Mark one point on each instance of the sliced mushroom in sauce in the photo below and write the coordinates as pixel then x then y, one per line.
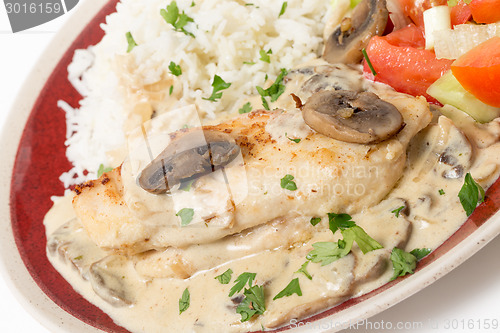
pixel 189 156
pixel 350 116
pixel 345 44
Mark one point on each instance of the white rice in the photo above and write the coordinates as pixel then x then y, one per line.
pixel 227 34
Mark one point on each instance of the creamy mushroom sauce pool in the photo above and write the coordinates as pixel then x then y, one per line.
pixel 141 291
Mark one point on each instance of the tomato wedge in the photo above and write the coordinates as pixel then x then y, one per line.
pixel 415 9
pixel 485 11
pixel 478 71
pixel 401 62
pixel 460 13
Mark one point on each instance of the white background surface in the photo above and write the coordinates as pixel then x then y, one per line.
pixel 469 295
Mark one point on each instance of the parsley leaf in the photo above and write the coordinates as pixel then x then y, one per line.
pixel 186 215
pixel 241 281
pixel 175 69
pixel 283 8
pixel 364 241
pixel 292 288
pixel 294 140
pixel 171 90
pixel 178 20
pixel 328 252
pixel 264 55
pixel 252 304
pixel 398 210
pixel 288 184
pixel 420 253
pixel 303 270
pixel 131 42
pixel 225 277
pixel 246 108
pixel 274 91
pixel 218 84
pixel 339 221
pixel 470 194
pixel 102 170
pixel 441 192
pixel 184 301
pixel 315 220
pixel 402 262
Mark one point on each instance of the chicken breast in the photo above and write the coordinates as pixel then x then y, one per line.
pixel 329 176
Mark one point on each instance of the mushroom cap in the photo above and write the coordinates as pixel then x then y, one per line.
pixel 345 45
pixel 350 116
pixel 188 156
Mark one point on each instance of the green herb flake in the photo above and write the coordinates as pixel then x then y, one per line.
pixel 420 253
pixel 248 63
pixel 78 258
pixel 292 288
pixel 441 192
pixel 340 221
pixel 102 170
pixel 264 55
pixel 470 194
pixel 193 4
pixel 368 62
pixel 402 262
pixel 365 242
pixel 178 20
pixel 303 270
pixel 225 277
pixel 283 8
pixel 293 140
pixel 397 211
pixel 175 69
pixel 131 42
pixel 241 281
pixel 246 108
pixel 184 301
pixel 171 90
pixel 218 85
pixel 453 3
pixel 288 184
pixel 328 252
pixel 186 215
pixel 315 220
pixel 252 304
pixel 274 91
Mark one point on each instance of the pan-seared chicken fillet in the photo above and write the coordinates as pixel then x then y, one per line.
pixel 254 189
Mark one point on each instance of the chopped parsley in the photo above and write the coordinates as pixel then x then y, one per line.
pixel 252 304
pixel 315 220
pixel 175 69
pixel 274 91
pixel 178 20
pixel 186 215
pixel 292 288
pixel 171 90
pixel 218 84
pixel 246 108
pixel 420 253
pixel 288 184
pixel 369 62
pixel 303 270
pixel 193 4
pixel 248 63
pixel 398 210
pixel 102 170
pixel 470 194
pixel 283 8
pixel 184 301
pixel 328 252
pixel 402 262
pixel 241 281
pixel 264 55
pixel 294 140
pixel 441 192
pixel 225 277
pixel 78 258
pixel 131 42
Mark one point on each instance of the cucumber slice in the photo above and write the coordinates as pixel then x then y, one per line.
pixel 448 90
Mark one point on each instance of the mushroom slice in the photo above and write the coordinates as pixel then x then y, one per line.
pixel 352 117
pixel 368 19
pixel 188 157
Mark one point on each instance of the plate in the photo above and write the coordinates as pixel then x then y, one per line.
pixel 35 159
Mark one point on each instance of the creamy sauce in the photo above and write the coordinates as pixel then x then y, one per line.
pixel 141 291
